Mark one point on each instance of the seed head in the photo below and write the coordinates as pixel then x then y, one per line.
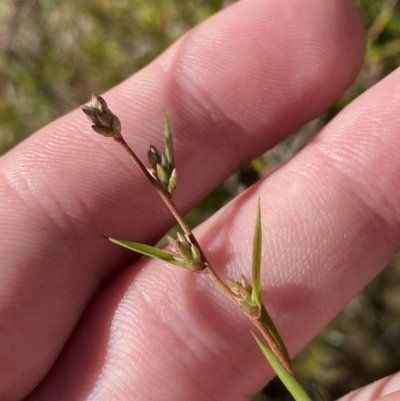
pixel 242 291
pixel 104 121
pixel 185 252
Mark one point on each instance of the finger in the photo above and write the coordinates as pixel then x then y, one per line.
pixel 386 389
pixel 331 220
pixel 64 187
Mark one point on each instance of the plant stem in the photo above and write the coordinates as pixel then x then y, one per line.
pixel 165 197
pixel 255 319
pixel 206 266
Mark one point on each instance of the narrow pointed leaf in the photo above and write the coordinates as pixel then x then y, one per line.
pixel 292 385
pixel 148 250
pixel 169 146
pixel 270 325
pixel 257 248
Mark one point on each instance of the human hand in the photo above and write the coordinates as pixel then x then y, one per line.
pixel 88 321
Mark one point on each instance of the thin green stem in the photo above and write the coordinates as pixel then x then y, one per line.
pixel 165 197
pixel 206 266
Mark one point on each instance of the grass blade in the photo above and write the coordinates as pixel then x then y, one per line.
pixel 270 325
pixel 256 262
pixel 292 385
pixel 148 250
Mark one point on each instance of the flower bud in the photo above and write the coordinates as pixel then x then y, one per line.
pixel 162 175
pixel 116 125
pixel 104 121
pixel 242 291
pixel 185 252
pixel 196 256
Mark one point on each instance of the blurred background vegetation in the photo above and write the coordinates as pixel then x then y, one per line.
pixel 52 55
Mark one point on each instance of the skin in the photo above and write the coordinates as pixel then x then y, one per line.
pixel 82 319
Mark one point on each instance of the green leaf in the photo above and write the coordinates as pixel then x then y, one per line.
pixel 257 248
pixel 292 385
pixel 256 292
pixel 270 325
pixel 169 146
pixel 148 250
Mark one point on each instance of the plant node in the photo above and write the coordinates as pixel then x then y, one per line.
pixel 185 252
pixel 242 292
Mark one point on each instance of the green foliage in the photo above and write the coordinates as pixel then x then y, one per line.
pixel 144 249
pixel 295 389
pixel 184 253
pixel 256 290
pixel 270 325
pixel 150 251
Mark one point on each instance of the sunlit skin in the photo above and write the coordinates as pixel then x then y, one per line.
pixel 83 319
